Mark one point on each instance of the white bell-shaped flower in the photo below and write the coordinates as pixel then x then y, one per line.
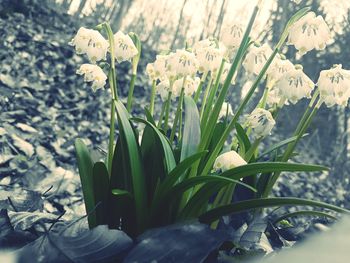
pixel 227 161
pixel 273 96
pixel 93 73
pixel 162 67
pixel 124 47
pixel 183 63
pixel 334 86
pixel 151 71
pixel 205 43
pixel 277 69
pixel 232 35
pixel 209 59
pixel 261 122
pixel 163 89
pixel 309 33
pixel 190 86
pixel 257 58
pixel 295 85
pixel 226 110
pixel 91 43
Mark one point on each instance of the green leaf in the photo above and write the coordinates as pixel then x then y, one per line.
pixel 279 145
pixel 242 138
pixel 121 192
pixel 304 213
pixel 168 153
pixel 132 160
pixel 149 117
pixel 193 181
pixel 218 212
pixel 85 165
pixel 176 173
pixel 101 192
pixel 191 130
pixel 266 167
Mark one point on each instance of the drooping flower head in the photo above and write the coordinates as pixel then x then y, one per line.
pixel 277 69
pixel 151 71
pixel 93 73
pixel 163 89
pixel 226 110
pixel 205 43
pixel 183 63
pixel 227 161
pixel 125 48
pixel 209 59
pixel 162 67
pixel 295 85
pixel 309 33
pixel 334 86
pixel 232 35
pixel 261 122
pixel 257 58
pixel 190 86
pixel 91 43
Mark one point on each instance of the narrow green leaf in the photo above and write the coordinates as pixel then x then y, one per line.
pixel 191 130
pixel 121 192
pixel 101 192
pixel 85 165
pixel 279 145
pixel 217 213
pixel 168 153
pixel 149 117
pixel 304 213
pixel 132 160
pixel 242 137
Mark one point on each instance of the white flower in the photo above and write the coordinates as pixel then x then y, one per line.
pixel 228 160
pixel 297 1
pixel 124 47
pixel 162 67
pixel 277 69
pixel 295 85
pixel 163 89
pixel 151 71
pixel 190 86
pixel 203 44
pixel 209 58
pixel 225 109
pixel 257 58
pixel 309 33
pixel 273 96
pixel 90 42
pixel 232 35
pixel 93 73
pixel 183 63
pixel 334 86
pixel 261 122
pixel 225 70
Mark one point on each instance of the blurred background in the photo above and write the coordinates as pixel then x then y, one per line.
pixel 45 104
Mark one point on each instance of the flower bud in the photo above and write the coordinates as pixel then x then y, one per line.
pixel 227 161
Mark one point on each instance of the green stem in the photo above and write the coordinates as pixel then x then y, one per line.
pixel 153 95
pixel 213 92
pixel 161 115
pixel 131 92
pixel 204 101
pixel 200 87
pixel 178 112
pixel 112 79
pixel 167 110
pixel 300 131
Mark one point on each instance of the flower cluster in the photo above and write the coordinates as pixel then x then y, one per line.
pixel 95 46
